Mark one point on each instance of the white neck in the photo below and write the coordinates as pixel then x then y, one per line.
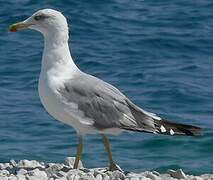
pixel 56 55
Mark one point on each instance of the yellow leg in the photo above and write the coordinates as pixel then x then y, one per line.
pixel 112 165
pixel 79 152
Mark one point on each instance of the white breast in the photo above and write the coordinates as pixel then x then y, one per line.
pixel 56 107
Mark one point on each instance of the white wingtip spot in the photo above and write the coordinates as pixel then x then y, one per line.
pixel 172 132
pixel 163 129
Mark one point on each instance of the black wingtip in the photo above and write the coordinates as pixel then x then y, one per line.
pixel 180 129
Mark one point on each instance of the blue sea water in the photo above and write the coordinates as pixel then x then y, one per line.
pixel 159 53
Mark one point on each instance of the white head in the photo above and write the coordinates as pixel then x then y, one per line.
pixel 49 22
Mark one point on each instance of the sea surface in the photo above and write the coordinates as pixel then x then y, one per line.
pixel 157 52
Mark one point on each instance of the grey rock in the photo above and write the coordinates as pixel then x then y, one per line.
pixel 105 177
pixel 75 172
pixel 50 164
pixel 61 174
pixel 53 169
pixel 29 164
pixel 2 166
pixel 153 176
pixel 76 177
pixel 178 174
pixel 70 176
pixel 66 168
pixel 207 176
pixel 13 163
pixel 5 166
pixel 134 176
pixel 85 170
pixel 167 177
pixel 21 177
pixel 36 173
pixel 98 177
pixel 34 170
pixel 117 175
pixel 88 176
pixel 69 161
pixel 194 178
pixel 12 177
pixel 4 173
pixel 156 173
pixel 3 178
pixel 62 178
pixel 73 177
pixel 21 171
pixel 99 171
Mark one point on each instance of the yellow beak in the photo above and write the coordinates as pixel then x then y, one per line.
pixel 19 26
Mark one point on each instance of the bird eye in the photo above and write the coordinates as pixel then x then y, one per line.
pixel 39 17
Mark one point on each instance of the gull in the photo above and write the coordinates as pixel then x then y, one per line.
pixel 88 104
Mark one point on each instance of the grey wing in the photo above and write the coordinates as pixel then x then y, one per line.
pixel 105 105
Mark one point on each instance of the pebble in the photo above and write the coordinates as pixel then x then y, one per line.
pixel 98 177
pixel 152 176
pixel 4 173
pixel 21 177
pixel 69 161
pixel 5 165
pixel 21 171
pixel 73 177
pixel 13 163
pixel 29 164
pixel 36 173
pixel 117 175
pixel 4 178
pixel 178 174
pixel 53 169
pixel 34 170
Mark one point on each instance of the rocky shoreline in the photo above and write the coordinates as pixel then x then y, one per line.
pixel 34 170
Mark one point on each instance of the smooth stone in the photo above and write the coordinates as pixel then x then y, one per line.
pixel 88 176
pixel 12 177
pixel 75 172
pixel 36 173
pixel 151 176
pixel 29 164
pixel 61 174
pixel 207 176
pixel 196 178
pixel 70 176
pixel 73 177
pixel 179 174
pixel 106 177
pixel 69 161
pixel 21 172
pixel 5 166
pixel 62 178
pixel 156 173
pixel 66 168
pixel 49 164
pixel 13 163
pixel 4 178
pixel 53 170
pixel 21 177
pixel 117 174
pixel 4 172
pixel 99 177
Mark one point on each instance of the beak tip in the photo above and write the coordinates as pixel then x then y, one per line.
pixel 12 28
